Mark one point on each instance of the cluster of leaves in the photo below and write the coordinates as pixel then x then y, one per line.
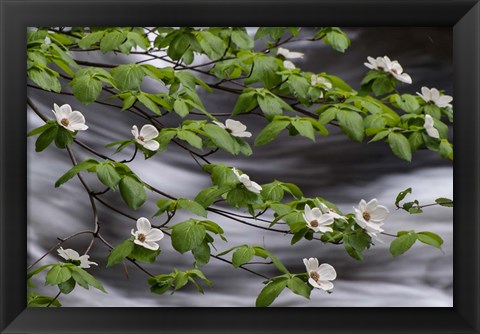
pixel 177 280
pixel 51 132
pixel 414 207
pixel 65 275
pixel 112 174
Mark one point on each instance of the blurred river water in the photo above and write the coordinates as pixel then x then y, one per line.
pixel 333 167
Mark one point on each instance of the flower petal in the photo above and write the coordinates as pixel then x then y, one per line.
pixel 288 65
pixel 220 124
pixel 324 229
pixel 428 121
pixel 444 101
pixel 325 219
pixel 362 205
pixel 66 110
pixel 327 272
pixel 143 225
pixel 432 132
pixel 244 134
pixel 294 55
pixel 325 285
pixel 135 131
pixel 435 94
pixel 313 283
pixel 150 245
pixel 148 132
pixel 154 235
pixel 283 52
pixel 379 214
pixel 254 187
pixel 371 206
pixel 426 94
pixel 151 145
pixel 235 126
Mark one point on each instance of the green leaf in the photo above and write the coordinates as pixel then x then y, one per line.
pixel 47 80
pixel 149 103
pixel 270 106
pixel 67 286
pixel 293 189
pixel 270 132
pixel 90 39
pixel 270 292
pixel 299 287
pixel 192 206
pixel 207 196
pixel 46 138
pixel 382 85
pixel 63 138
pixel 264 70
pixel 241 39
pixel 84 165
pixel 212 45
pixel 187 235
pixel 222 138
pixel 247 101
pixel 201 253
pixel 337 39
pixel 430 238
pixel 400 146
pixel 119 253
pixel 181 107
pixel 191 138
pixel 88 278
pixel 38 270
pixel 305 128
pixel 143 254
pixel 272 191
pixel 57 274
pixel 355 243
pixel 262 252
pixel 401 195
pixel 403 243
pixel 351 124
pixel 42 128
pixel 108 175
pixel 444 202
pixel 86 88
pixel 112 41
pixel 243 255
pixel 132 191
pixel 128 77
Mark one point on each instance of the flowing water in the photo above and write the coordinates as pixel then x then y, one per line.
pixel 334 167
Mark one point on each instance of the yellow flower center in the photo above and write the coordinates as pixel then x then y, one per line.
pixel 315 276
pixel 141 237
pixel 65 122
pixel 366 216
pixel 314 223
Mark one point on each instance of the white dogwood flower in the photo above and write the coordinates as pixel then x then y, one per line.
pixel 318 80
pixel 235 128
pixel 316 220
pixel 288 65
pixel 389 66
pixel 71 120
pixel 428 125
pixel 75 258
pixel 146 137
pixel 146 236
pixel 289 54
pixel 433 95
pixel 245 180
pixel 370 216
pixel 320 276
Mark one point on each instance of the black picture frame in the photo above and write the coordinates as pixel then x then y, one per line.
pixel 462 16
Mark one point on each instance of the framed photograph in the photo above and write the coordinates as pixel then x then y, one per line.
pixel 270 166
